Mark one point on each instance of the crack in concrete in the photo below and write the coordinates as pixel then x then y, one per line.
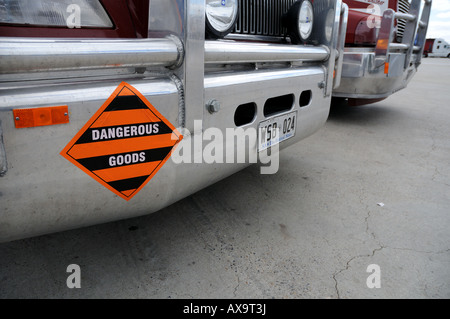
pixel 381 246
pixel 371 234
pixel 237 286
pixel 347 266
pixel 436 169
pixel 420 251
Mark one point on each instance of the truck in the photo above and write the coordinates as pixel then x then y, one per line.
pixel 438 48
pixel 384 43
pixel 112 109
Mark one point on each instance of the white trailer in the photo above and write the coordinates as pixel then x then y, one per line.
pixel 437 48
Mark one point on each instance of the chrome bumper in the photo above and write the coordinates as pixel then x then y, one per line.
pixel 376 73
pixel 42 192
pixel 362 79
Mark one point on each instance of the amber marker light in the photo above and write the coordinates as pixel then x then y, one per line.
pixel 41 116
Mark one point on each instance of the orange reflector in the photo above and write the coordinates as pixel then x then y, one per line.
pixel 334 74
pixel 41 116
pixel 382 44
pixel 386 68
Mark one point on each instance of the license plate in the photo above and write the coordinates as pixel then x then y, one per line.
pixel 276 130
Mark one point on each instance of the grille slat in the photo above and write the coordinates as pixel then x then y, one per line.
pixel 403 7
pixel 262 17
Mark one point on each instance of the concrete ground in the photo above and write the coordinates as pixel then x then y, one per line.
pixel 371 188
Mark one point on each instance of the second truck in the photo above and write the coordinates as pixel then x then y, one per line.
pixel 383 48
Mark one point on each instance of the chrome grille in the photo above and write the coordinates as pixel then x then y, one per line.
pixel 403 7
pixel 262 17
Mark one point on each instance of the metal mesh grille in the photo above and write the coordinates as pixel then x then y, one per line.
pixel 262 17
pixel 403 7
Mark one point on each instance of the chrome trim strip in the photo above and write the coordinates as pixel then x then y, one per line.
pixel 410 29
pixel 193 70
pixel 341 45
pixel 385 38
pixel 3 161
pixel 34 55
pixel 238 52
pixel 333 44
pixel 422 31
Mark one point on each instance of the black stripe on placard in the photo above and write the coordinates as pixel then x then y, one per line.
pixel 127 184
pixel 118 132
pixel 138 157
pixel 126 102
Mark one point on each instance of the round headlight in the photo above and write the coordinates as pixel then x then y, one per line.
pixel 299 21
pixel 221 16
pixel 305 20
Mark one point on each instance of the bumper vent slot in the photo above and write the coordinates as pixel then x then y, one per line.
pixel 278 104
pixel 305 98
pixel 245 114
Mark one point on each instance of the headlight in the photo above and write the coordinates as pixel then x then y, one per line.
pixel 221 17
pixel 54 13
pixel 305 20
pixel 299 21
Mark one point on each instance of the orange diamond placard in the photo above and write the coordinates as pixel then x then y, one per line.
pixel 124 144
